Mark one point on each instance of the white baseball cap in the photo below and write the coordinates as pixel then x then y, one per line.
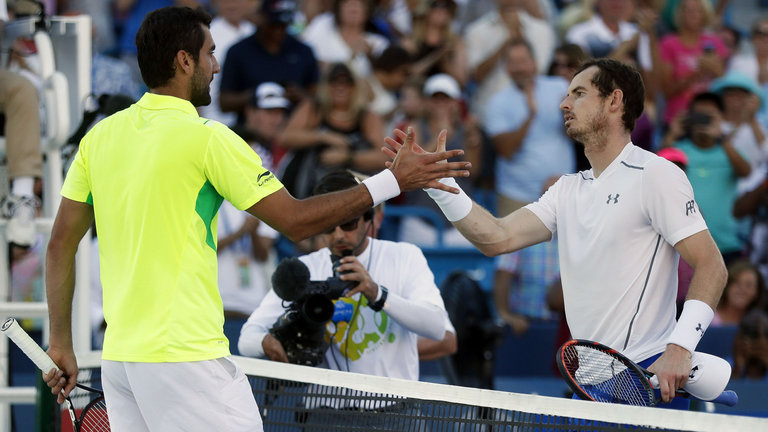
pixel 270 95
pixel 709 376
pixel 442 83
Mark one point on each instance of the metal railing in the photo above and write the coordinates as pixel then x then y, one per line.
pixel 64 47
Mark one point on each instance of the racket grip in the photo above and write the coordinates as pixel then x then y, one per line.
pixel 727 398
pixel 654 380
pixel 13 330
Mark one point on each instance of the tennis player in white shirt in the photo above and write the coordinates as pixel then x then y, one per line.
pixel 621 227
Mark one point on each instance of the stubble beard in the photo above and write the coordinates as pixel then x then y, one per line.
pixel 200 89
pixel 593 136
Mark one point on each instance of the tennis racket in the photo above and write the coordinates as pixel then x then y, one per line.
pixel 92 418
pixel 599 373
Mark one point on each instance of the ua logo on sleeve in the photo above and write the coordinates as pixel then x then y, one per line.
pixel 612 199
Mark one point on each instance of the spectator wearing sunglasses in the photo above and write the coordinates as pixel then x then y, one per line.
pixel 376 324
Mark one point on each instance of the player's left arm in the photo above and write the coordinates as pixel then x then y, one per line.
pixel 709 277
pixel 671 207
pixel 710 274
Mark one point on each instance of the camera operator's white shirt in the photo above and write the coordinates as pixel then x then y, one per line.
pixel 377 344
pixel 615 240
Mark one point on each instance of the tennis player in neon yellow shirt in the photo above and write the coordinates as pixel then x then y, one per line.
pixel 152 178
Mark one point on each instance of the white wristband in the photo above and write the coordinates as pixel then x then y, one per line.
pixel 455 207
pixel 692 324
pixel 382 186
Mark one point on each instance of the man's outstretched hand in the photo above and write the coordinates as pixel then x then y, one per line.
pixel 415 168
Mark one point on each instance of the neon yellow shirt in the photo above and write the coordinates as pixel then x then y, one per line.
pixel 156 174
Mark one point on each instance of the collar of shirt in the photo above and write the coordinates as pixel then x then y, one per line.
pixel 154 101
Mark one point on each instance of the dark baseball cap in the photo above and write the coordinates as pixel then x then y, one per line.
pixel 279 11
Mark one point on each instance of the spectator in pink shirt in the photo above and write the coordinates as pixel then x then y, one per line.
pixel 690 58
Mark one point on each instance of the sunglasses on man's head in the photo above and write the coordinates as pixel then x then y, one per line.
pixel 346 227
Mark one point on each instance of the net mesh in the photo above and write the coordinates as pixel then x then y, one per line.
pixel 295 398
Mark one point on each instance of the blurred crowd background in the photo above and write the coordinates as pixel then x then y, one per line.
pixel 316 85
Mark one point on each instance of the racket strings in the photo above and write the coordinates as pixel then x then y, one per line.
pixel 604 378
pixel 94 418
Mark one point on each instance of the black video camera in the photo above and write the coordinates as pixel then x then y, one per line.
pixel 301 329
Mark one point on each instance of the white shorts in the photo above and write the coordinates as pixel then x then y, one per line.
pixel 211 395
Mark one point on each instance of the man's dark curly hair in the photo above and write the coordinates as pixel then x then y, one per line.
pixel 613 74
pixel 165 32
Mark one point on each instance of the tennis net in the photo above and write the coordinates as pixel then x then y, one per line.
pixel 299 398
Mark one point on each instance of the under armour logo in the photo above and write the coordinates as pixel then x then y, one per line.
pixel 693 372
pixel 700 329
pixel 614 198
pixel 689 208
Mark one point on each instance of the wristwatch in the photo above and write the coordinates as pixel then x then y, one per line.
pixel 379 304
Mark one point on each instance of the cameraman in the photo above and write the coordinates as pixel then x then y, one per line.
pixel 714 167
pixel 394 301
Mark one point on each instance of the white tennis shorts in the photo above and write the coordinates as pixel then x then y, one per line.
pixel 211 395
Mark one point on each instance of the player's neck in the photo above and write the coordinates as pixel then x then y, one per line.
pixel 601 152
pixel 173 88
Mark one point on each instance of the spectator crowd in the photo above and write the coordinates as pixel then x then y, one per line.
pixel 315 86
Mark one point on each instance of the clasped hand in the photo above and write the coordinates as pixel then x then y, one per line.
pixel 415 168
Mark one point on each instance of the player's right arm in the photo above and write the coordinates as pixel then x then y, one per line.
pixel 73 220
pixel 299 219
pixel 491 235
pixel 495 236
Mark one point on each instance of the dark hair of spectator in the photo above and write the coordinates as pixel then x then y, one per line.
pixel 613 74
pixel 753 322
pixel 392 58
pixel 335 181
pixel 735 34
pixel 338 181
pixel 369 6
pixel 449 5
pixel 574 53
pixel 708 97
pixel 521 42
pixel 164 33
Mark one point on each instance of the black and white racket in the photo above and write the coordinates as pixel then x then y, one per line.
pixel 92 418
pixel 602 374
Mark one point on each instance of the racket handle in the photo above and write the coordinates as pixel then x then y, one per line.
pixel 654 380
pixel 727 398
pixel 13 330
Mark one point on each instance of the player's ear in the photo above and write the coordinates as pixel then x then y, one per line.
pixel 184 62
pixel 616 100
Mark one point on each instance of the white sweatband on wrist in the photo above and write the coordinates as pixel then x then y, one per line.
pixel 692 324
pixel 382 186
pixel 454 206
